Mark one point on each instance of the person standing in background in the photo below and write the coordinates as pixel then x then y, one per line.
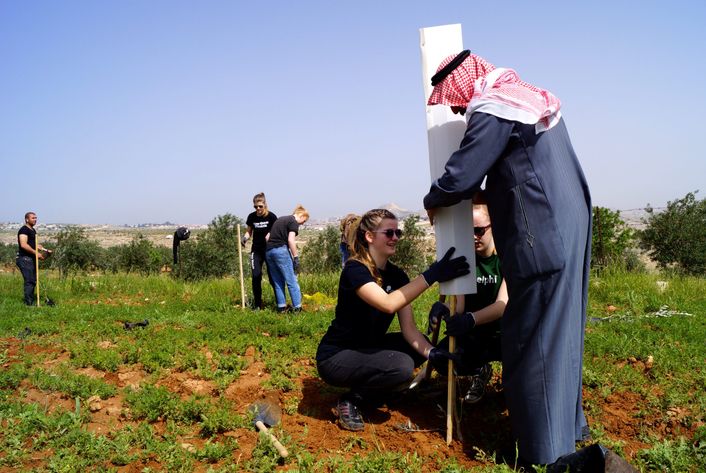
pixel 282 258
pixel 259 223
pixel 345 226
pixel 27 253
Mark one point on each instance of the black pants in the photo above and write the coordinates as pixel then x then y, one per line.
pixel 373 373
pixel 257 259
pixel 29 274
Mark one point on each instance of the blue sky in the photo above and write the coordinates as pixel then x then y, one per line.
pixel 147 111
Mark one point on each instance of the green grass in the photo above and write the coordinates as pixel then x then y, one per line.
pixel 200 329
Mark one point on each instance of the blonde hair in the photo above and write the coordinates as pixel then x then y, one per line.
pixel 261 199
pixel 481 207
pixel 480 203
pixel 300 211
pixel 358 245
pixel 346 223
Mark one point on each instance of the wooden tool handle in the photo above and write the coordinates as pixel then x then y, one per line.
pixel 451 392
pixel 280 448
pixel 240 270
pixel 36 266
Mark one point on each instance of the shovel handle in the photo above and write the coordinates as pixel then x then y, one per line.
pixel 434 340
pixel 280 448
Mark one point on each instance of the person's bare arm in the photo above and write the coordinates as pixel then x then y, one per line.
pixel 390 303
pixel 411 333
pixel 495 310
pixel 292 244
pixel 24 244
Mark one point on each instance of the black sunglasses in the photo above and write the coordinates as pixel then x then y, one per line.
pixel 480 231
pixel 259 206
pixel 390 232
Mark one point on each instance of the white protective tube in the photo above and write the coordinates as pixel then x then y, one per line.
pixel 453 226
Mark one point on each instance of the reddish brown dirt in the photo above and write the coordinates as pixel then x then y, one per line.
pixel 309 423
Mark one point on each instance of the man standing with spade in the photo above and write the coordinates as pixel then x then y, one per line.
pixel 27 254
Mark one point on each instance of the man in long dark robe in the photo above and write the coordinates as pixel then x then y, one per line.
pixel 540 207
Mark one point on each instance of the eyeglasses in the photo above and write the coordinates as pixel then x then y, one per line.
pixel 390 232
pixel 480 231
pixel 259 206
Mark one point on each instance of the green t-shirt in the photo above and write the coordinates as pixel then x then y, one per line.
pixel 488 281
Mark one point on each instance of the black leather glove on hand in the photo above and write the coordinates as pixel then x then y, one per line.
pixel 439 359
pixel 295 262
pixel 438 355
pixel 460 325
pixel 437 312
pixel 446 268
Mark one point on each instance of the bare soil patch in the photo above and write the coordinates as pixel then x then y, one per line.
pixel 411 424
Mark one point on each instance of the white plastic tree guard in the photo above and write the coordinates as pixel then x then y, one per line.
pixel 453 226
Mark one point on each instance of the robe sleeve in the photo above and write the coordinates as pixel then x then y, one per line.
pixel 483 143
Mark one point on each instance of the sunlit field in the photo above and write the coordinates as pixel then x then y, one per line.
pixel 80 390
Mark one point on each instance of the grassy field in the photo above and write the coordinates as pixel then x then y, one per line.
pixel 79 392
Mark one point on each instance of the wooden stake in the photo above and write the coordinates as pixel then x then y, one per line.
pixel 240 259
pixel 451 394
pixel 36 265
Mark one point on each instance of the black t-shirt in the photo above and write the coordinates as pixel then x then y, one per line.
pixel 261 226
pixel 31 240
pixel 280 231
pixel 357 324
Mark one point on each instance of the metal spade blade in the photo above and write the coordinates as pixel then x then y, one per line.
pixel 266 414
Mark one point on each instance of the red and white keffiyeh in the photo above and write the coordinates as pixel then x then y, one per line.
pixel 481 87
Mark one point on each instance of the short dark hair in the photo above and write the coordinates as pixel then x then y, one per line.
pixel 28 214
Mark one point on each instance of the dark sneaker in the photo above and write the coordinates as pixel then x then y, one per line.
pixel 476 390
pixel 297 310
pixel 486 373
pixel 348 416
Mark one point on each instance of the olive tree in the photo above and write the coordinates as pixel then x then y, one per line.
pixel 75 252
pixel 676 237
pixel 613 240
pixel 322 252
pixel 212 253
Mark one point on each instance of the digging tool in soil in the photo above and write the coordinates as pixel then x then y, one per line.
pixel 265 414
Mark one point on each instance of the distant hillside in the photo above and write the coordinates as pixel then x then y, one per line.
pixel 398 211
pixel 633 218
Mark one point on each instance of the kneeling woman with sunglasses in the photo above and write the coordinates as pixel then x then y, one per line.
pixel 357 352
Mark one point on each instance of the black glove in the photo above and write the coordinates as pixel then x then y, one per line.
pixel 295 262
pixel 437 312
pixel 439 356
pixel 439 359
pixel 446 268
pixel 460 324
pixel 244 239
